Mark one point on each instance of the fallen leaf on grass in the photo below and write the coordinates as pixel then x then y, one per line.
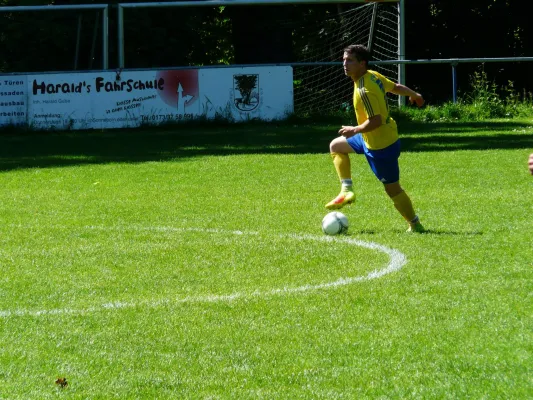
pixel 62 382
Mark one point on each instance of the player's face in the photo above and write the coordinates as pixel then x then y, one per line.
pixel 352 67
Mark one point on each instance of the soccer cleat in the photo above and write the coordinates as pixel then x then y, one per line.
pixel 416 228
pixel 344 197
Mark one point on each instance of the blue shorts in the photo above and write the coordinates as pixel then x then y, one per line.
pixel 384 162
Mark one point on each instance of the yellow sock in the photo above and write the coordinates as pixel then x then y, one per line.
pixel 403 204
pixel 342 165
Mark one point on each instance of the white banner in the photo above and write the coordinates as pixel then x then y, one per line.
pixel 132 98
pixel 13 100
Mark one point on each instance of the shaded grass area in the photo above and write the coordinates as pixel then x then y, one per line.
pixel 19 149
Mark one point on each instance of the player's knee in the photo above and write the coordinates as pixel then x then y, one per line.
pixel 338 145
pixel 393 189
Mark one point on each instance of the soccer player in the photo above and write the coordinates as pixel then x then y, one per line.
pixel 375 136
pixel 530 163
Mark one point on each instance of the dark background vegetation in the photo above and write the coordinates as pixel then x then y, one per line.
pixel 171 37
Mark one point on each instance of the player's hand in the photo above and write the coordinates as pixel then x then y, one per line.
pixel 418 99
pixel 347 131
pixel 530 163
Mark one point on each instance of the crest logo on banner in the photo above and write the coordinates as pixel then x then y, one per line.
pixel 246 92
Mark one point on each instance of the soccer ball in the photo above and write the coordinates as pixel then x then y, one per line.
pixel 335 223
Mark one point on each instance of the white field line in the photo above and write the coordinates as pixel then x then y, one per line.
pixel 396 261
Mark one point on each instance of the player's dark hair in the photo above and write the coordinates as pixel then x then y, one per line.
pixel 360 52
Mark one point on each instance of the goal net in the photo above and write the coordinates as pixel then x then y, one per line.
pixel 320 87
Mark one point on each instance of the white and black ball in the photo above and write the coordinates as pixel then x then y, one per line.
pixel 335 223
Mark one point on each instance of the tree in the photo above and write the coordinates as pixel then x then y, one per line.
pixel 466 29
pixel 258 36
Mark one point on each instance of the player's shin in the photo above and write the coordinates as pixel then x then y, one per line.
pixel 403 204
pixel 343 168
pixel 346 196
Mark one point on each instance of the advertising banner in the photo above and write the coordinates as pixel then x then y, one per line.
pixel 132 98
pixel 13 100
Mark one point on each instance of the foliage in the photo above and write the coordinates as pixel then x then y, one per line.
pixel 467 29
pixel 484 100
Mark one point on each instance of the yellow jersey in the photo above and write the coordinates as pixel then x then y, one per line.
pixel 369 99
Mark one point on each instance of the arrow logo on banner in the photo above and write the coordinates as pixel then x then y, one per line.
pixel 182 99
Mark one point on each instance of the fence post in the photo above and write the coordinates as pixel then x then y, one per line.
pixel 120 25
pixel 454 82
pixel 105 37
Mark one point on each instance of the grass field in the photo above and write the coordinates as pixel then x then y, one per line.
pixel 189 263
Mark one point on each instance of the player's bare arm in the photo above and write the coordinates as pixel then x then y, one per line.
pixel 414 97
pixel 530 163
pixel 369 125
